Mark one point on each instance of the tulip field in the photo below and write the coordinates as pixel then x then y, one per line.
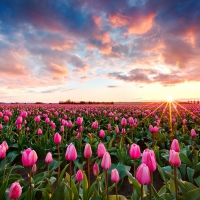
pixel 91 152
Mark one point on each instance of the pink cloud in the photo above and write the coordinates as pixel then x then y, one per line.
pixel 137 25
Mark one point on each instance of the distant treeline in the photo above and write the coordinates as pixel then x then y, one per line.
pixel 84 102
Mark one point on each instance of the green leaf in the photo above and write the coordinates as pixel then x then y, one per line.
pixel 192 194
pixel 185 160
pixel 155 194
pixel 61 175
pixel 197 181
pixel 59 193
pixel 72 187
pixel 183 170
pixel 3 189
pixel 190 173
pixel 85 186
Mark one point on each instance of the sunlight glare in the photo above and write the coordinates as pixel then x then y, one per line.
pixel 169 98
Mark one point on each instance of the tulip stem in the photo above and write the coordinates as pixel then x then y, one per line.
pixel 88 172
pixel 4 171
pixel 116 191
pixel 150 186
pixel 175 182
pixel 30 183
pixel 106 177
pixel 70 173
pixel 58 161
pixel 134 167
pixel 141 192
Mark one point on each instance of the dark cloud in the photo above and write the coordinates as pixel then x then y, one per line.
pixel 112 86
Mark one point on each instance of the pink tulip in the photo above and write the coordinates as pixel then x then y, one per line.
pixel 123 122
pixel 15 191
pixel 175 145
pixel 106 161
pixel 117 129
pixel 39 131
pixel 174 158
pixel 69 124
pixel 71 153
pixel 124 131
pixel 47 120
pixel 95 125
pixel 88 151
pixel 57 138
pixel 6 118
pixel 130 120
pixel 62 128
pixel 53 125
pixel 4 143
pixel 1 114
pixel 96 169
pixel 78 136
pixel 37 119
pixel 19 120
pixel 24 114
pixel 155 129
pixel 2 151
pixel 1 126
pixel 143 174
pixel 101 133
pixel 193 133
pixel 29 157
pixel 184 121
pixel 109 127
pixel 148 158
pixel 101 150
pixel 115 176
pixel 49 158
pixel 151 129
pixel 134 151
pixel 79 121
pixel 79 175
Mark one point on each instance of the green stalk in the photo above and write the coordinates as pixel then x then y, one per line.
pixel 58 161
pixel 70 173
pixel 116 191
pixel 175 182
pixel 141 192
pixel 4 172
pixel 88 172
pixel 106 177
pixel 30 183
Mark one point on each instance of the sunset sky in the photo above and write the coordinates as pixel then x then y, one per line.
pixel 99 50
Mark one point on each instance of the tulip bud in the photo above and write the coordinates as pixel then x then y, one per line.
pixel 193 133
pixel 115 176
pixel 87 151
pixel 106 161
pixel 79 175
pixel 174 158
pixel 49 158
pixel 71 153
pixel 57 138
pixel 134 151
pixel 15 191
pixel 175 145
pixel 101 150
pixel 29 157
pixel 96 169
pixel 143 174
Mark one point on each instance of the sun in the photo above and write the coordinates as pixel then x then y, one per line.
pixel 169 98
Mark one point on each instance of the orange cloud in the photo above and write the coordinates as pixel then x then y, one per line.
pixel 138 25
pixel 103 37
pixel 106 49
pixel 58 70
pixel 97 21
